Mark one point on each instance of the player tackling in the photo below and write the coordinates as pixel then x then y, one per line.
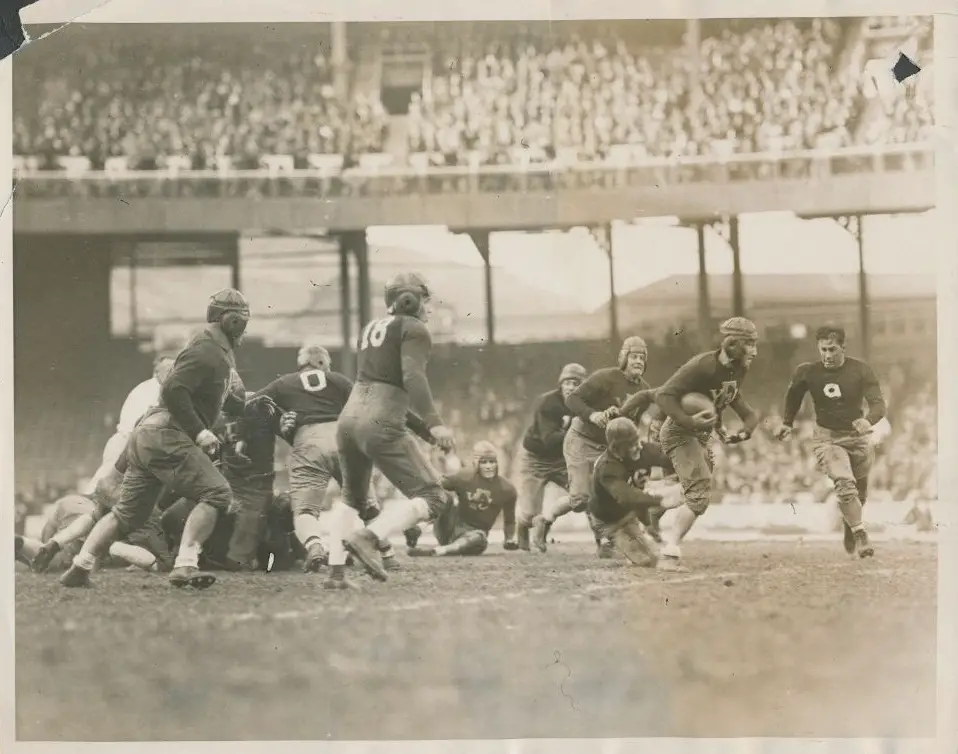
pixel 372 428
pixel 686 437
pixel 839 384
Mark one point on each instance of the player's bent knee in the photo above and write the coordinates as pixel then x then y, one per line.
pixel 475 543
pixel 698 505
pixel 219 497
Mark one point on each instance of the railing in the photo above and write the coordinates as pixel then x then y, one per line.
pixel 818 164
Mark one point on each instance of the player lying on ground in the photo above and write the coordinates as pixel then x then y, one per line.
pixel 686 438
pixel 146 549
pixel 173 446
pixel 372 429
pixel 481 494
pixel 541 459
pixel 140 400
pixel 606 394
pixel 839 385
pixel 619 506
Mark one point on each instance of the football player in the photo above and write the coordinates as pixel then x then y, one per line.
pixel 372 429
pixel 481 494
pixel 541 459
pixel 839 385
pixel 140 400
pixel 173 446
pixel 618 503
pixel 62 537
pixel 312 400
pixel 606 394
pixel 687 440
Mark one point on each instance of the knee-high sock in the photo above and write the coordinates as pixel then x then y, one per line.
pixel 199 526
pixel 399 516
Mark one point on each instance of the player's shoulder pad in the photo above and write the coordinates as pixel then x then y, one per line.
pixel 412 325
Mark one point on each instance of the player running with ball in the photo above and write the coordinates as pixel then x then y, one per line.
pixel 839 385
pixel 686 437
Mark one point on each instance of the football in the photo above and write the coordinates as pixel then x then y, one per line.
pixel 695 403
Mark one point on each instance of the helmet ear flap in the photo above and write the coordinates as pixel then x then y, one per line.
pixel 406 302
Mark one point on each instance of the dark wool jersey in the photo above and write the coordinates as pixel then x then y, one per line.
pixel 260 440
pixel 481 500
pixel 707 375
pixel 603 389
pixel 613 494
pixel 550 421
pixel 199 383
pixel 394 350
pixel 836 393
pixel 316 396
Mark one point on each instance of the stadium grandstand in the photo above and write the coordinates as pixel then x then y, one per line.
pixel 340 107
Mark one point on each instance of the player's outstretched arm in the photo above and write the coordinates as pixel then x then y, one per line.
pixel 638 404
pixel 612 480
pixel 419 428
pixel 749 416
pixel 583 399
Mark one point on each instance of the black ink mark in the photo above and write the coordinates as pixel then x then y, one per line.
pixel 905 68
pixel 120 198
pixel 9 199
pixel 558 661
pixel 12 34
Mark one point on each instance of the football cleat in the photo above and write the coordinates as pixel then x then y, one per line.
pixel 191 576
pixel 605 551
pixel 337 579
pixel 44 557
pixel 75 577
pixel 316 558
pixel 421 552
pixel 412 536
pixel 363 545
pixel 540 531
pixel 390 563
pixel 670 564
pixel 863 545
pixel 849 539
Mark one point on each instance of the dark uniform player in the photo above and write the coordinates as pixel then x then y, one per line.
pixel 313 398
pixel 606 394
pixel 686 439
pixel 541 459
pixel 172 447
pixel 393 353
pixel 839 385
pixel 481 494
pixel 618 504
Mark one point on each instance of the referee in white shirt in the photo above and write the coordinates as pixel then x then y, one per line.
pixel 141 398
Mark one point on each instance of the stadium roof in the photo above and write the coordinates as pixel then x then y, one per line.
pixel 781 288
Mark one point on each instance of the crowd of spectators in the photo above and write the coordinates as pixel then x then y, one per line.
pixel 759 86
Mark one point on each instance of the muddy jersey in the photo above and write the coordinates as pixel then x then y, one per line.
pixel 614 493
pixel 707 375
pixel 481 500
pixel 838 394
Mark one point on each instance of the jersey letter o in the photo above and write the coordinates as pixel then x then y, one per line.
pixel 313 380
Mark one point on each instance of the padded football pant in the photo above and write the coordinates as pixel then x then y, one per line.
pixel 448 528
pixel 364 440
pixel 691 456
pixel 251 496
pixel 534 474
pixel 161 459
pixel 847 460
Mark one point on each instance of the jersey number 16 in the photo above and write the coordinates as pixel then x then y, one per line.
pixel 374 333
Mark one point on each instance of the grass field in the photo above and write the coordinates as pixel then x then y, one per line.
pixel 761 639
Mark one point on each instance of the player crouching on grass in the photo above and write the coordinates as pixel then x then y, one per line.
pixel 618 506
pixel 480 495
pixel 839 385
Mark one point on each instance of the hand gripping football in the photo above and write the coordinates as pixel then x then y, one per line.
pixel 696 403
